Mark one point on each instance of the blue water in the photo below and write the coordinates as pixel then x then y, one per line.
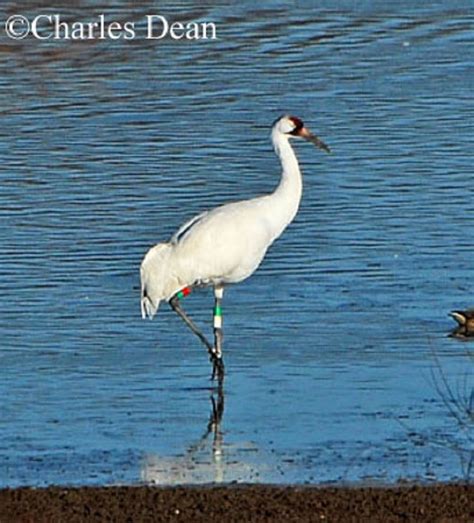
pixel 338 363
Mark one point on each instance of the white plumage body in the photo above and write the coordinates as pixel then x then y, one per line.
pixel 227 244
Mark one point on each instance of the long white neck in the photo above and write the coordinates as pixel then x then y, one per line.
pixel 286 198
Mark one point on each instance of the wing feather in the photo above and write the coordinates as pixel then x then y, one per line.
pixel 184 229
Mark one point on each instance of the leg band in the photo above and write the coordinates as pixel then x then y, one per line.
pixel 217 317
pixel 183 293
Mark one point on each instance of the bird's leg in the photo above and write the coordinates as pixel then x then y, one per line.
pixel 176 306
pixel 215 352
pixel 216 358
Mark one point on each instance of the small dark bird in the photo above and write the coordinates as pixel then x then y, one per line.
pixel 465 319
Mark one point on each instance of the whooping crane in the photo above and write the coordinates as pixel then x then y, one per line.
pixel 227 244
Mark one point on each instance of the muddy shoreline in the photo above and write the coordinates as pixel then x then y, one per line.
pixel 443 503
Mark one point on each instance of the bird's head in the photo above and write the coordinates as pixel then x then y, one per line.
pixel 293 127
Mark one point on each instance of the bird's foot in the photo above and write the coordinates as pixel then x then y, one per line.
pixel 217 368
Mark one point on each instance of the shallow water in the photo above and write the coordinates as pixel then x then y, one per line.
pixel 336 349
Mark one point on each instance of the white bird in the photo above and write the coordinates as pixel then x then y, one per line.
pixel 227 244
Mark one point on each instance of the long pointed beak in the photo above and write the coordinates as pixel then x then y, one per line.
pixel 310 137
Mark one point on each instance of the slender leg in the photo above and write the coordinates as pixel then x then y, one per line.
pixel 218 368
pixel 217 363
pixel 176 306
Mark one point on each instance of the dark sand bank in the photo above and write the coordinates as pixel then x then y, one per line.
pixel 442 503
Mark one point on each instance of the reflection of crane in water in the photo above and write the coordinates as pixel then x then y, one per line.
pixel 208 460
pixel 227 244
pixel 194 466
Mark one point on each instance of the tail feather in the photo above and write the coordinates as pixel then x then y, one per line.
pixel 149 309
pixel 154 275
pixel 459 316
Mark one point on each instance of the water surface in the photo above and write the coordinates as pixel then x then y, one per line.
pixel 336 348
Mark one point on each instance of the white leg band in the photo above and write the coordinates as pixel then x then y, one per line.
pixel 217 322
